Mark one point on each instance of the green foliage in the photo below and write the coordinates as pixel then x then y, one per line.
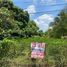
pixel 40 33
pixel 55 48
pixel 12 19
pixel 31 29
pixel 10 48
pixel 14 22
pixel 59 25
pixel 58 54
pixel 5 48
pixel 18 50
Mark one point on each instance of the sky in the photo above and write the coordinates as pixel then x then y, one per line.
pixel 42 12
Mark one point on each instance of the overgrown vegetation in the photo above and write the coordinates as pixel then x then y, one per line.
pixel 17 32
pixel 59 26
pixel 15 22
pixel 18 51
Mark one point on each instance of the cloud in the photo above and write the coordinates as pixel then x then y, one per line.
pixel 43 21
pixel 31 9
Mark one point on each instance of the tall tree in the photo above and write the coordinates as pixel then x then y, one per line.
pixel 31 29
pixel 15 21
pixel 12 19
pixel 60 25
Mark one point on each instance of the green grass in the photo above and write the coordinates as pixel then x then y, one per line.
pixel 26 42
pixel 49 41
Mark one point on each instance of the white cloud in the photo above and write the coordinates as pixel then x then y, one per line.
pixel 31 9
pixel 43 21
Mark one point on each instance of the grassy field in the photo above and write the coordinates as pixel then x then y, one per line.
pixel 26 42
pixel 54 48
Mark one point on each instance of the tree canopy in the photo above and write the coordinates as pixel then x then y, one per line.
pixel 14 21
pixel 59 26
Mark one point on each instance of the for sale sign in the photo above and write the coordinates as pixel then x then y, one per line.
pixel 37 50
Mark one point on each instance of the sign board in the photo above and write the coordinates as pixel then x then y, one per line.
pixel 37 50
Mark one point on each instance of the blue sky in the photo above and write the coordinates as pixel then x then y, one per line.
pixel 42 11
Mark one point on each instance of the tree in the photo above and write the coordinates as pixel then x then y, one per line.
pixel 12 19
pixel 14 22
pixel 59 25
pixel 40 33
pixel 31 29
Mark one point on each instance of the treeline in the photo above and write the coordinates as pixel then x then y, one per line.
pixel 59 26
pixel 15 22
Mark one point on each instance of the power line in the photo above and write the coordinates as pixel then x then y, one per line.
pixel 45 2
pixel 30 2
pixel 65 4
pixel 23 2
pixel 47 5
pixel 59 4
pixel 45 11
